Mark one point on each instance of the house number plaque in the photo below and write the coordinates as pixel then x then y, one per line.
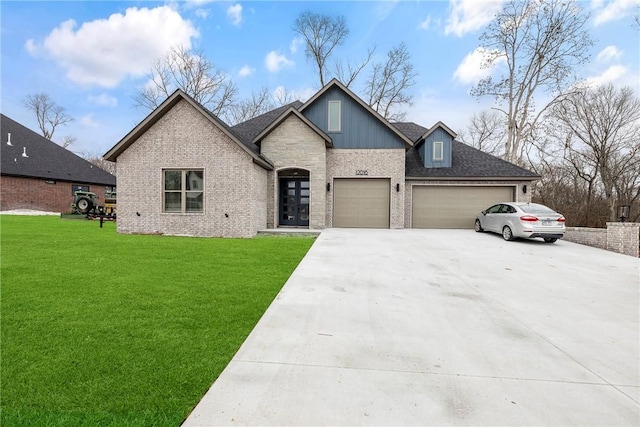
pixel 362 172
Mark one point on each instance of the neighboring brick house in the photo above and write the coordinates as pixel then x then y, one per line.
pixel 329 162
pixel 37 174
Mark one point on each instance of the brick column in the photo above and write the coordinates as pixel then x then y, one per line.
pixel 624 238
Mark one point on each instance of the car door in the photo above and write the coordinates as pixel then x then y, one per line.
pixel 492 218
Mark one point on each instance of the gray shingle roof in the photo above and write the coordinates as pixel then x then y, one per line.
pixel 466 162
pixel 47 160
pixel 412 130
pixel 247 131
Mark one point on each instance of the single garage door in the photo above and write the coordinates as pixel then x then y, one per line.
pixel 453 206
pixel 361 203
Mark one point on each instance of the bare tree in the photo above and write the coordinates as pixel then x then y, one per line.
pixel 282 97
pixel 487 132
pixel 68 141
pixel 348 76
pixel 388 83
pixel 321 34
pixel 260 102
pixel 541 44
pixel 603 125
pixel 192 72
pixel 99 161
pixel 49 114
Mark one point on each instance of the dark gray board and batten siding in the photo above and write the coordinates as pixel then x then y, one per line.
pixel 426 149
pixel 359 128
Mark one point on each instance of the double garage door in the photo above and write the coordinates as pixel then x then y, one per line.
pixel 361 203
pixel 453 206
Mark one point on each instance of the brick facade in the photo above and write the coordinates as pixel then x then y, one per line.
pixel 185 139
pixel 378 163
pixel 293 145
pixel 39 194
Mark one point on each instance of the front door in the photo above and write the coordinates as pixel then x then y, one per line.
pixel 294 202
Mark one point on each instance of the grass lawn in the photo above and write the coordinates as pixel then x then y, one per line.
pixel 105 329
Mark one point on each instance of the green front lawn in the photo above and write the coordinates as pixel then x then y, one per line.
pixel 105 329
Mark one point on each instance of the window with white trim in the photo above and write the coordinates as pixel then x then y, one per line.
pixel 182 191
pixel 335 120
pixel 438 150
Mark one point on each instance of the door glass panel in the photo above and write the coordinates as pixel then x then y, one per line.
pixel 291 192
pixel 304 184
pixel 291 184
pixel 304 192
pixel 304 200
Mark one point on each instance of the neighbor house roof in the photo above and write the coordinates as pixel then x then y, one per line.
pixel 466 162
pixel 162 109
pixel 32 155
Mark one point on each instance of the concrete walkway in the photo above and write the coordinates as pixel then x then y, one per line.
pixel 440 327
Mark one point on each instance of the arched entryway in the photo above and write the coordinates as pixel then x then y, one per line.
pixel 293 198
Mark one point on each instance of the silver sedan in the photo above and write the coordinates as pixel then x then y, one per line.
pixel 526 220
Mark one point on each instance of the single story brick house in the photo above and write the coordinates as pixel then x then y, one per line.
pixel 38 174
pixel 329 162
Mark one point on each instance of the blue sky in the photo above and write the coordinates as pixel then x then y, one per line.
pixel 91 56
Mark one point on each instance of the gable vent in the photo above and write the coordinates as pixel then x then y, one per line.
pixel 9 139
pixel 24 152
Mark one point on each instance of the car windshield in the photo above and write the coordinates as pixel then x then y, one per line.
pixel 535 208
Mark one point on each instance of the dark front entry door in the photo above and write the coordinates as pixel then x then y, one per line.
pixel 294 201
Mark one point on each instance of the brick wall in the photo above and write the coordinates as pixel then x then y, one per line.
pixel 184 138
pixel 620 237
pixel 37 194
pixel 379 163
pixel 293 145
pixel 596 237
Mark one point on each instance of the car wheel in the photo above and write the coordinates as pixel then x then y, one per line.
pixel 550 239
pixel 478 226
pixel 507 234
pixel 84 205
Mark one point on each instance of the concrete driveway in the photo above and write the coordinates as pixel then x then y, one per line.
pixel 440 327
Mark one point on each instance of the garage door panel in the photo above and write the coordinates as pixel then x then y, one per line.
pixel 453 206
pixel 361 203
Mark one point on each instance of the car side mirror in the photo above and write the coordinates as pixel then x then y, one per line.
pixel 484 212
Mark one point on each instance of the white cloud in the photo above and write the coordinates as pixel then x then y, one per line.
pixel 426 23
pixel 104 99
pixel 470 15
pixel 471 69
pixel 276 62
pixel 197 3
pixel 89 121
pixel 295 44
pixel 105 51
pixel 202 13
pixel 235 14
pixel 609 53
pixel 615 9
pixel 246 71
pixel 610 75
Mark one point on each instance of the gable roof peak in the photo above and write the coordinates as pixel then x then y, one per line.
pixel 335 82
